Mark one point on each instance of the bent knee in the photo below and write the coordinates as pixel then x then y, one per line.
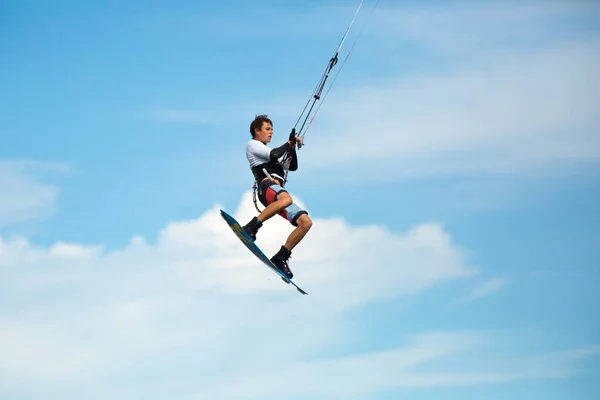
pixel 305 222
pixel 285 199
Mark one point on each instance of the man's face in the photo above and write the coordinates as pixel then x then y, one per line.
pixel 265 133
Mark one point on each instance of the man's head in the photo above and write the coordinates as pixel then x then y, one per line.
pixel 262 128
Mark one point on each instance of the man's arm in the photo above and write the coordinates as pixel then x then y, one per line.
pixel 293 159
pixel 278 152
pixel 288 146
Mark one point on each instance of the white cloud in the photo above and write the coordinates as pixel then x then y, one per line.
pixel 195 314
pixel 25 197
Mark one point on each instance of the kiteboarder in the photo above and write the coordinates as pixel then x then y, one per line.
pixel 270 174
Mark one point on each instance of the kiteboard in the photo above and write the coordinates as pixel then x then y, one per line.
pixel 247 240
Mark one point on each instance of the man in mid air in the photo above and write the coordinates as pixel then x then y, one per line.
pixel 270 179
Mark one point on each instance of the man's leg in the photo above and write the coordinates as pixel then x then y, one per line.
pixel 275 199
pixel 304 224
pixel 283 200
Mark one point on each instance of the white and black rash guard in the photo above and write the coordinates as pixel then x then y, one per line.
pixel 262 156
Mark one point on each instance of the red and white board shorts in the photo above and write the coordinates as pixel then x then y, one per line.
pixel 267 194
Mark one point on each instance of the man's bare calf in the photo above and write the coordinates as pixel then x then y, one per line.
pixel 304 224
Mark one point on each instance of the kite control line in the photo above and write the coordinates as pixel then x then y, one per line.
pixel 321 85
pixel 315 97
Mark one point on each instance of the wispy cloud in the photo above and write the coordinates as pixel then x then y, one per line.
pixel 487 288
pixel 582 352
pixel 25 195
pixel 411 366
pixel 472 30
pixel 538 111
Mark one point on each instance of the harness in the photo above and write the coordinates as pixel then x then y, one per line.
pixel 255 187
pixel 261 172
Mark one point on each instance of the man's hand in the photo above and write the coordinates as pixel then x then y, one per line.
pixel 294 139
pixel 297 140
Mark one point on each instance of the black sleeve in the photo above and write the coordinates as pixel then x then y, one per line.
pixel 293 159
pixel 278 152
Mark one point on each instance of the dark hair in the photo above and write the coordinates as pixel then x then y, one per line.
pixel 258 122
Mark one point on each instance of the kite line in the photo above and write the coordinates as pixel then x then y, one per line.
pixel 317 93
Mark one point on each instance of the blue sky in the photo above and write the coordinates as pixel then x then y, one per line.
pixel 452 175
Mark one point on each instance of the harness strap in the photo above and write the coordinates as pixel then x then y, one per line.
pixel 254 198
pixel 255 187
